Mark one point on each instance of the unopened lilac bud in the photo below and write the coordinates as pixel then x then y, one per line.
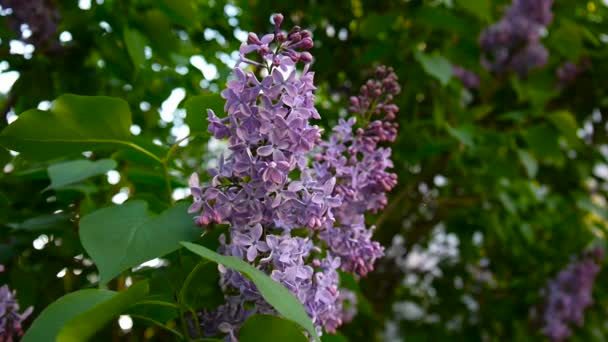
pixel 295 56
pixel 305 34
pixel 295 37
pixel 277 19
pixel 281 37
pixel 252 38
pixel 306 43
pixel 306 57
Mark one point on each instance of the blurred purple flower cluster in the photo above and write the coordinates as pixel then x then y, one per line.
pixel 41 17
pixel 569 71
pixel 468 78
pixel 568 295
pixel 10 319
pixel 266 187
pixel 513 43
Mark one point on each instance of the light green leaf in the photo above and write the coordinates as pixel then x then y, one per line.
pixel 270 328
pixel 463 133
pixel 135 43
pixel 436 66
pixel 74 124
pixel 196 110
pixel 478 8
pixel 566 123
pixel 275 294
pixel 52 318
pixel 71 172
pixel 85 325
pixel 529 163
pixel 125 236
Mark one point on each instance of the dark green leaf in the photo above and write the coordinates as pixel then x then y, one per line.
pixel 85 325
pixel 478 8
pixel 48 324
pixel 71 172
pixel 274 293
pixel 270 328
pixel 125 236
pixel 135 43
pixel 74 124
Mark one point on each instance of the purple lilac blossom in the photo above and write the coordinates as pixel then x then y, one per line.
pixel 265 188
pixel 354 157
pixel 10 319
pixel 568 295
pixel 468 78
pixel 513 43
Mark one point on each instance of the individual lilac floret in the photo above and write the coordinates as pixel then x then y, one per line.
pixel 360 166
pixel 568 295
pixel 10 319
pixel 468 78
pixel 513 43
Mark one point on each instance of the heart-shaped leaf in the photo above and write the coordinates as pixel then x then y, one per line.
pixel 125 236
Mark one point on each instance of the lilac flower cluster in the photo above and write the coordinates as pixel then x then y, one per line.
pixel 265 188
pixel 513 43
pixel 569 294
pixel 468 78
pixel 10 319
pixel 353 156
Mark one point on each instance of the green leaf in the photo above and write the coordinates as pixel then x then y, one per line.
pixel 44 222
pixel 436 66
pixel 529 162
pixel 275 294
pixel 135 43
pixel 86 324
pixel 543 143
pixel 180 11
pixel 125 236
pixel 270 328
pixel 464 134
pixel 196 110
pixel 478 8
pixel 566 123
pixel 71 172
pixel 50 321
pixel 74 124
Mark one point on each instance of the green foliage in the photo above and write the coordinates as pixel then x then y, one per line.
pixel 514 170
pixel 49 323
pixel 270 328
pixel 273 292
pixel 76 171
pixel 124 236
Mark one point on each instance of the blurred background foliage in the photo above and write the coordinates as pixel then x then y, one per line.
pixel 498 186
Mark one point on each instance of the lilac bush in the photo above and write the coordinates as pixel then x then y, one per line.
pixel 281 178
pixel 513 43
pixel 568 295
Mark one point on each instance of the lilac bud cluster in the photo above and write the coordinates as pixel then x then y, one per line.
pixel 10 319
pixel 568 72
pixel 353 156
pixel 468 78
pixel 265 189
pixel 513 43
pixel 41 17
pixel 568 295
